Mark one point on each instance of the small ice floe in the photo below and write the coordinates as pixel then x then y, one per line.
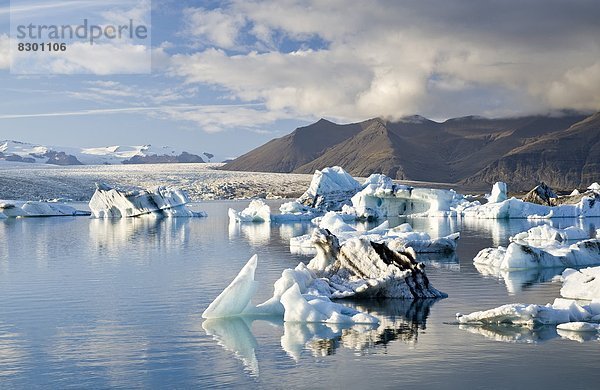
pixel 568 314
pixel 398 238
pixel 594 187
pixel 257 211
pixel 543 247
pixel 539 203
pixel 582 284
pixel 37 209
pixel 359 268
pixel 108 202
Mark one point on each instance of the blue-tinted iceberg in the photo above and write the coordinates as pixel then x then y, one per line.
pixel 108 202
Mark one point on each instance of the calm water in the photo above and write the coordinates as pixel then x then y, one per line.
pixel 117 304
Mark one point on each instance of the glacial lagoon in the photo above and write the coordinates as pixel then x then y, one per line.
pixel 88 303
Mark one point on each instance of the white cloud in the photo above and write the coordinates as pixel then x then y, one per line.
pixel 4 51
pixel 213 27
pixel 395 58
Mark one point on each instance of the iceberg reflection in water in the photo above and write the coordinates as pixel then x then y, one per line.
pixel 399 319
pixel 519 280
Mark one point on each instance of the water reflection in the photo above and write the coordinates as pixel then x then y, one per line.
pixel 517 281
pixel 512 333
pixel 113 348
pixel 447 261
pixel 400 319
pixel 235 336
pixel 111 237
pixel 522 334
pixel 12 355
pixel 257 234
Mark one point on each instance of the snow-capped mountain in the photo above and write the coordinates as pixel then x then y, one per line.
pixel 143 154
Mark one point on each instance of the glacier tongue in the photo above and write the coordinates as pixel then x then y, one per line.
pixel 108 202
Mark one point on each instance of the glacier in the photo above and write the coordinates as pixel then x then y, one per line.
pixel 108 202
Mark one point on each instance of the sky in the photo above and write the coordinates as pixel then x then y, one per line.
pixel 227 76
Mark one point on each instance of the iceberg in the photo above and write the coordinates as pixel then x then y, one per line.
pixel 499 191
pixel 37 209
pixel 108 202
pixel 397 238
pixel 257 211
pixel 291 299
pixel 542 247
pixel 582 284
pixel 573 314
pixel 594 187
pixel 361 268
pixel 381 198
pixel 330 189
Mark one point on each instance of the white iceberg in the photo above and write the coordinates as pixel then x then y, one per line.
pixel 361 268
pixel 381 198
pixel 499 193
pixel 397 238
pixel 108 202
pixel 545 252
pixel 257 211
pixel 561 311
pixel 548 234
pixel 579 326
pixel 578 284
pixel 582 284
pixel 37 209
pixel 290 299
pixel 330 189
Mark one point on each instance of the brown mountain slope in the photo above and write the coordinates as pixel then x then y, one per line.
pixel 384 147
pixel 293 150
pixel 563 159
pixel 472 151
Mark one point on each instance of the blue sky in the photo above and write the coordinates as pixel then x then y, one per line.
pixel 228 76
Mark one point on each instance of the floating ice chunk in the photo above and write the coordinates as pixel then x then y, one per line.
pixel 579 327
pixel 381 198
pixel 108 202
pixel 517 314
pixel 257 211
pixel 588 206
pixel 582 284
pixel 498 194
pixel 575 192
pixel 295 298
pixel 37 209
pixel 236 297
pixel 398 238
pixel 597 233
pixel 319 309
pixel 546 233
pixel 594 187
pixel 541 247
pixel 330 189
pixel 361 268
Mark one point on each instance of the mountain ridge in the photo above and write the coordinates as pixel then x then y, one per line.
pixel 470 151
